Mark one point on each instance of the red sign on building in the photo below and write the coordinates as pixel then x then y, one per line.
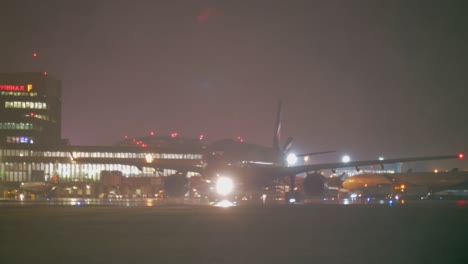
pixel 10 87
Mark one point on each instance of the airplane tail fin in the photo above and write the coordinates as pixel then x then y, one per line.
pixel 277 132
pixel 288 145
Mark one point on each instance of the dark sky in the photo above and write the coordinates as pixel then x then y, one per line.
pixel 363 77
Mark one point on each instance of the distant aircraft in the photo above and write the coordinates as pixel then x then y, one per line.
pixel 42 188
pixel 408 182
pixel 233 164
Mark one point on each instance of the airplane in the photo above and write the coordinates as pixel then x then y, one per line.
pixel 408 183
pixel 232 163
pixel 40 188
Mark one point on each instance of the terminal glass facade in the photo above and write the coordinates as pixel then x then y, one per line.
pixel 22 165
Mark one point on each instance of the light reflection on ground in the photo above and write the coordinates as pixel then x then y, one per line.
pixel 155 202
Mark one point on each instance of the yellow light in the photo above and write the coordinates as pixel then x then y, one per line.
pixel 402 186
pixel 149 158
pixel 30 87
pixel 436 171
pixel 365 185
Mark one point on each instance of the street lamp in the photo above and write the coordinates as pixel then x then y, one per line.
pixel 345 159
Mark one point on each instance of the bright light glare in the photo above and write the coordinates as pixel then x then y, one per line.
pixel 346 159
pixel 224 204
pixel 149 158
pixel 306 158
pixel 291 159
pixel 381 158
pixel 224 186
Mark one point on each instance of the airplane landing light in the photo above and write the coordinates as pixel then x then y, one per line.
pixel 291 159
pixel 224 186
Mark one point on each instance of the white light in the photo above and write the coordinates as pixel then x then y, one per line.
pixel 224 204
pixel 291 159
pixel 224 186
pixel 292 200
pixel 306 158
pixel 381 158
pixel 149 158
pixel 346 159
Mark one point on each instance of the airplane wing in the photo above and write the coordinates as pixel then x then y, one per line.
pixel 316 167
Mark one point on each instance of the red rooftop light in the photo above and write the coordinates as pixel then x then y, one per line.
pixel 461 156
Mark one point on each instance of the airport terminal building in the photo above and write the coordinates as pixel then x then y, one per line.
pixel 30 110
pixel 32 149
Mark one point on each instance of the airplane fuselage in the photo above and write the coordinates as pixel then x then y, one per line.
pixel 429 179
pixel 36 187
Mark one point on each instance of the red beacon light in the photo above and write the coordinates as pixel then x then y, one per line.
pixel 461 156
pixel 34 54
pixel 152 133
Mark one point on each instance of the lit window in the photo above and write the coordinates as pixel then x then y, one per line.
pixel 26 105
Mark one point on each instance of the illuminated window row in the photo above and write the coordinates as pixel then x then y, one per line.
pixel 20 140
pixel 111 155
pixel 42 117
pixel 18 126
pixel 12 171
pixel 126 155
pixel 67 171
pixel 18 94
pixel 26 105
pixel 5 93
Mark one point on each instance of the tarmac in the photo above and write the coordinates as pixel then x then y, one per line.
pixel 181 233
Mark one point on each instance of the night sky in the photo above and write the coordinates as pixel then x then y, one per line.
pixel 367 78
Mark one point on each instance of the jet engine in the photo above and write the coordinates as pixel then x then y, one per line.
pixel 314 184
pixel 176 185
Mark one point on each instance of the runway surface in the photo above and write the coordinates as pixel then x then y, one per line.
pixel 169 233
